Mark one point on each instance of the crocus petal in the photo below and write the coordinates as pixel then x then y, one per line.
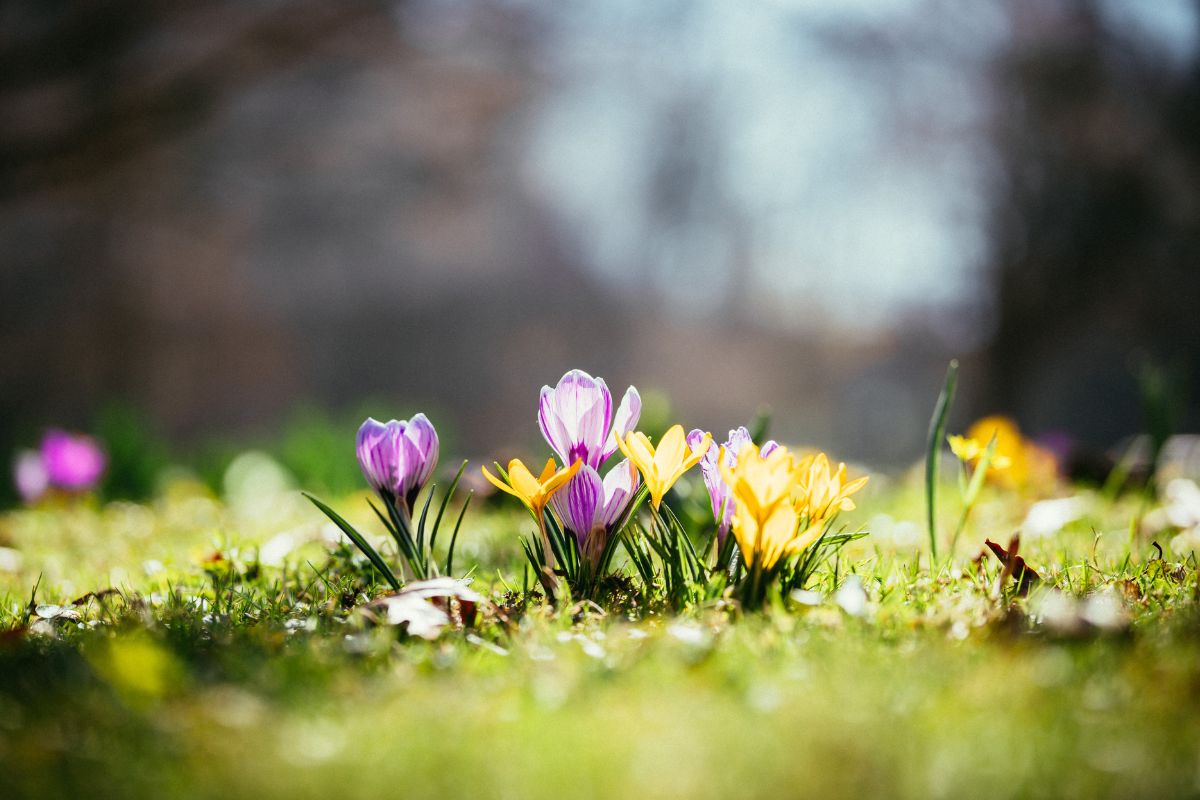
pixel 769 446
pixel 551 424
pixel 620 484
pixel 422 434
pixel 528 487
pixel 499 484
pixel 577 504
pixel 626 419
pixel 583 405
pixel 672 450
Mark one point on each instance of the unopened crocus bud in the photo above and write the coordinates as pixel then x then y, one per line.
pixel 398 457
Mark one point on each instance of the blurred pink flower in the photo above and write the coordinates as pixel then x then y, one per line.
pixel 29 474
pixel 72 461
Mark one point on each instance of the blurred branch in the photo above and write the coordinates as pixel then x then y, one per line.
pixel 130 110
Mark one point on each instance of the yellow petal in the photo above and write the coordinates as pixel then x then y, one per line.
pixel 777 534
pixel 640 452
pixel 499 484
pixel 548 470
pixel 560 479
pixel 523 481
pixel 671 450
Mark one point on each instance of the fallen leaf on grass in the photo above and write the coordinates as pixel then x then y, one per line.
pixel 425 607
pixel 1014 565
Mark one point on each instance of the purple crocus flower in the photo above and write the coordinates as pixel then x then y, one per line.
pixel 719 492
pixel 590 507
pixel 29 474
pixel 72 461
pixel 576 417
pixel 397 458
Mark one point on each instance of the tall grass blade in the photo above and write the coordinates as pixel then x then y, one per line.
pixel 933 449
pixel 358 540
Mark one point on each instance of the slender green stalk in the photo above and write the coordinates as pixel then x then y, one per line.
pixel 933 450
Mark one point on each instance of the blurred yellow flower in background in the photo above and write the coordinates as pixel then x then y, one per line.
pixel 1017 462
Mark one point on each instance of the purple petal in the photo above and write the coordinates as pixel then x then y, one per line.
pixel 422 434
pixel 584 406
pixel 738 439
pixel 578 502
pixel 628 414
pixel 367 443
pixel 551 425
pixel 768 447
pixel 620 484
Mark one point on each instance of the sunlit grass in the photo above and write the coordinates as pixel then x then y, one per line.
pixel 257 673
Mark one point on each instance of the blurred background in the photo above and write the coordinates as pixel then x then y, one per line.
pixel 234 221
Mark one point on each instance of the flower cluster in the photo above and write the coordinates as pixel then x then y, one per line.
pixel 65 461
pixel 576 418
pixel 776 503
pixel 783 503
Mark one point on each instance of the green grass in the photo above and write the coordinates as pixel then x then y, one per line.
pixel 231 678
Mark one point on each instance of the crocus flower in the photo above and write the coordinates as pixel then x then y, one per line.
pixel 782 504
pixel 718 490
pixel 397 458
pixel 29 475
pixel 663 466
pixel 970 451
pixel 590 507
pixel 72 461
pixel 576 417
pixel 533 492
pixel 821 490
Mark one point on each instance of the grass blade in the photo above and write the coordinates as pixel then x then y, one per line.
pixel 454 535
pixel 358 540
pixel 933 449
pixel 437 521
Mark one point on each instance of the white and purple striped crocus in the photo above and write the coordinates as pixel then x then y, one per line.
pixel 719 492
pixel 576 417
pixel 591 507
pixel 398 457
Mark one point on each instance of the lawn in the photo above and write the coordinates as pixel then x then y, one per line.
pixel 222 645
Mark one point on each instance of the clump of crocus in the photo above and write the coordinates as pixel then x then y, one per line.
pixel 69 462
pixel 784 505
pixel 576 417
pixel 398 459
pixel 577 512
pixel 723 503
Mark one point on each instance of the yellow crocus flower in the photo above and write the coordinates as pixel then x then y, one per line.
pixel 760 482
pixel 776 494
pixel 534 492
pixel 764 538
pixel 970 450
pixel 662 466
pixel 822 491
